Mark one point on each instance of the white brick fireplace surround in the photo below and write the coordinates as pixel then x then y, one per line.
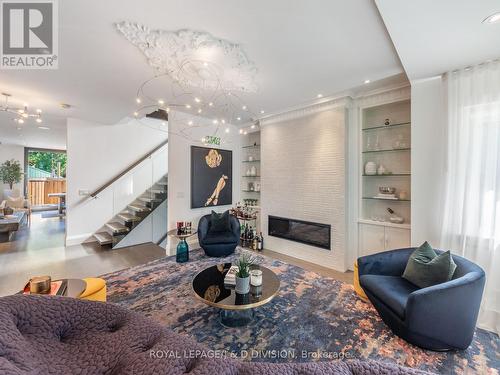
pixel 304 177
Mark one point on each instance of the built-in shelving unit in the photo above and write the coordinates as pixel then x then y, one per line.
pixel 250 172
pixel 385 139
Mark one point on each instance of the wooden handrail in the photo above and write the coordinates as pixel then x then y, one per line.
pixel 128 169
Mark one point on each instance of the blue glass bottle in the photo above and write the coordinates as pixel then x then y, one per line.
pixel 182 254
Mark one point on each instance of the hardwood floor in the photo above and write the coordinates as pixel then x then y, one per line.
pixel 40 250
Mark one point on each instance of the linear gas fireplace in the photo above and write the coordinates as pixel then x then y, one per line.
pixel 314 234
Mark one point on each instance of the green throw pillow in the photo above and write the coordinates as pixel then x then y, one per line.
pixel 219 222
pixel 426 268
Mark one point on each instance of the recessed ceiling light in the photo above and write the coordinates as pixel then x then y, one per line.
pixel 43 128
pixel 244 108
pixel 138 100
pixel 245 132
pixel 319 96
pixel 205 64
pixel 21 121
pixel 367 81
pixel 238 118
pixel 188 106
pixel 262 111
pixel 39 120
pixel 241 131
pixel 161 102
pixel 227 130
pixel 197 100
pixel 253 126
pixel 215 122
pixel 223 121
pixel 210 104
pixel 136 114
pixel 199 110
pixel 38 110
pixel 494 18
pixel 190 123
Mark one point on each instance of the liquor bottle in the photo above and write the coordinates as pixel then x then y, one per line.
pixel 254 243
pixel 250 233
pixel 260 245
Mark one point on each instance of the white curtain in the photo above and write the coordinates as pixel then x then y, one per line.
pixel 471 226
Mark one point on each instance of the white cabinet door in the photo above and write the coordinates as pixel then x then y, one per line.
pixel 396 238
pixel 371 239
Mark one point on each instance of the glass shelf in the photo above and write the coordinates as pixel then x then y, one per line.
pixel 388 150
pixel 250 191
pixel 387 200
pixel 250 161
pixel 251 146
pixel 250 176
pixel 387 175
pixel 381 127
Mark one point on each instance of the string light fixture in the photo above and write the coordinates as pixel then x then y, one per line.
pixel 22 114
pixel 205 76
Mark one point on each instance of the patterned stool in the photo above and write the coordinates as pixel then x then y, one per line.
pixel 96 289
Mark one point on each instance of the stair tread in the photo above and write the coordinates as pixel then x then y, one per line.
pixel 103 238
pixel 117 227
pixel 157 191
pixel 149 199
pixel 138 207
pixel 128 217
pixel 163 183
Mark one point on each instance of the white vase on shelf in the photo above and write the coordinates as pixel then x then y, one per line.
pixel 253 171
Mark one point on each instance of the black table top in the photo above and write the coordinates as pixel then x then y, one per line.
pixel 209 287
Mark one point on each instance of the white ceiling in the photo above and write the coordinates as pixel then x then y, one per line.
pixel 436 36
pixel 301 48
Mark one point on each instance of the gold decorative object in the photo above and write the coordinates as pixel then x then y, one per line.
pixel 40 285
pixel 213 158
pixel 212 292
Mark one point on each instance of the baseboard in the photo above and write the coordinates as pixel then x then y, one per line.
pixel 77 240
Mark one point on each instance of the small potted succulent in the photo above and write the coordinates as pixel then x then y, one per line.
pixel 243 275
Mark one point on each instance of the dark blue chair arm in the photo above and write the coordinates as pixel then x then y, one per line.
pixel 388 263
pixel 203 226
pixel 447 311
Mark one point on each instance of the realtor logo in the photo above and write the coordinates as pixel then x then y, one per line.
pixel 29 34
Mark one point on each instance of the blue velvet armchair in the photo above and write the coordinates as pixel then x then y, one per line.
pixel 439 317
pixel 218 244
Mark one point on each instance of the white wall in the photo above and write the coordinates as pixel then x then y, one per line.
pixel 304 177
pixel 179 176
pixel 428 143
pixel 8 152
pixel 96 154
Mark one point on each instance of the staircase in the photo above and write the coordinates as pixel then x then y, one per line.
pixel 124 222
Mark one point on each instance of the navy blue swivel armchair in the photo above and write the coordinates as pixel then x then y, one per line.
pixel 218 244
pixel 440 317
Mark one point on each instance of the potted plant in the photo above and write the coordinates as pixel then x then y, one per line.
pixel 243 275
pixel 10 173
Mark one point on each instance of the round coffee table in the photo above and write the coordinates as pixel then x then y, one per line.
pixel 236 309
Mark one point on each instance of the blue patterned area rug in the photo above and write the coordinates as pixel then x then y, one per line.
pixel 312 318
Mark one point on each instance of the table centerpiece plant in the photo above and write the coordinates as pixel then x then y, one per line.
pixel 243 275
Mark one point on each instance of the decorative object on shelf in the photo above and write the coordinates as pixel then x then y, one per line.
pixel 250 202
pixel 400 143
pixel 211 177
pixel 251 186
pixel 243 275
pixel 253 171
pixel 371 168
pixel 386 192
pixel 387 121
pixel 250 158
pixel 403 195
pixel 255 277
pixel 21 113
pixel 248 172
pixel 257 186
pixel 376 147
pixel 393 218
pixel 369 143
pixel 381 170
